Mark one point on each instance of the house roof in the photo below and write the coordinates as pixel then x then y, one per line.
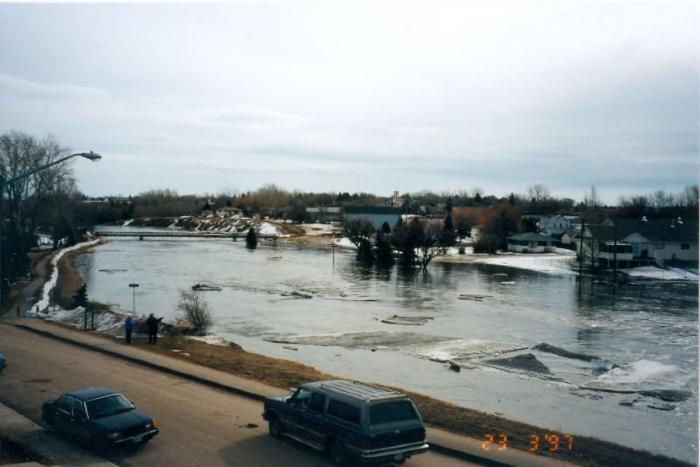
pixel 530 237
pixel 654 230
pixel 372 210
pixel 660 230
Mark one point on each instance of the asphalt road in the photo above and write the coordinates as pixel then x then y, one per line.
pixel 200 426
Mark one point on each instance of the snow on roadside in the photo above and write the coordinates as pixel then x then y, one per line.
pixel 44 302
pixel 126 223
pixel 211 339
pixel 319 229
pixel 344 242
pixel 268 229
pixel 652 272
pixel 545 263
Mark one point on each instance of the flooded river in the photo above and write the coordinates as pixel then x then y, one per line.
pixel 382 326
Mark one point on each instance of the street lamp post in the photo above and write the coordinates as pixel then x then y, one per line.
pixel 7 182
pixel 133 303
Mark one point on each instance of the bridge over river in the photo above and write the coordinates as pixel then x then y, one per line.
pixel 179 234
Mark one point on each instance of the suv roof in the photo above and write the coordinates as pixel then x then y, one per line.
pixel 354 390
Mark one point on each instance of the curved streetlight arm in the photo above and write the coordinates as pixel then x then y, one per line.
pixel 87 155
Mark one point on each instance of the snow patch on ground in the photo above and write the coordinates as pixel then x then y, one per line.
pixel 126 223
pixel 652 272
pixel 212 339
pixel 545 263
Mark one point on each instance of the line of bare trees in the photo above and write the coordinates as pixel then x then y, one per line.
pixel 42 201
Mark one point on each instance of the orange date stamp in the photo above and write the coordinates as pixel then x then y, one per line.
pixel 551 442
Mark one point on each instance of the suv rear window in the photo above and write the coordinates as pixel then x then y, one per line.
pixel 389 412
pixel 344 411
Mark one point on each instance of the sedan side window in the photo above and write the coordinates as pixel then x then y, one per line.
pixel 65 405
pixel 78 410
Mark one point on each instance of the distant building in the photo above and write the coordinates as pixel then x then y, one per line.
pixel 229 212
pixel 377 215
pixel 530 242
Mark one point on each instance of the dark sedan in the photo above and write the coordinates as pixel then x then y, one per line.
pixel 100 417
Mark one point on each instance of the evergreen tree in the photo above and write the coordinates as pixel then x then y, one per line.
pixel 251 239
pixel 383 251
pixel 80 298
pixel 447 236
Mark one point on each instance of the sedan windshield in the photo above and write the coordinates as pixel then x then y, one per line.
pixel 106 406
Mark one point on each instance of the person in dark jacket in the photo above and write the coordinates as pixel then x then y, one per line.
pixel 152 326
pixel 128 328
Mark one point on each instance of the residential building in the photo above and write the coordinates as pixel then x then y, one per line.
pixel 641 241
pixel 229 212
pixel 530 242
pixel 553 226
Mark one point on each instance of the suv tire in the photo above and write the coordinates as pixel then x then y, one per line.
pixel 275 427
pixel 336 451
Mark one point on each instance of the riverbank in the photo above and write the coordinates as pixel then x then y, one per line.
pixel 285 373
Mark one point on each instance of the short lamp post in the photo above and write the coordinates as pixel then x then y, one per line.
pixel 8 182
pixel 133 303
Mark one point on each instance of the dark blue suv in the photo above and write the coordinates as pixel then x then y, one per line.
pixel 349 420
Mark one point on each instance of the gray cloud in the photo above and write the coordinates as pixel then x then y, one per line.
pixel 358 96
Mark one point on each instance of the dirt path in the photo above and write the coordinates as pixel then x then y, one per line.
pixel 24 299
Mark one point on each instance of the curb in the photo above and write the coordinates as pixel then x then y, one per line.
pixel 439 448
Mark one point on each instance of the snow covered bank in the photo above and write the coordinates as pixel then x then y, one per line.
pixel 43 303
pixel 545 263
pixel 652 272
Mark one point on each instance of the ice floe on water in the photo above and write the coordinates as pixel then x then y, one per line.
pixel 359 340
pixel 642 375
pixel 464 349
pixel 652 272
pixel 407 320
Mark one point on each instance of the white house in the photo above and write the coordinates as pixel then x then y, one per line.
pixel 554 226
pixel 661 241
pixel 530 242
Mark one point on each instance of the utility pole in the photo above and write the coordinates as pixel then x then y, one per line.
pixel 615 253
pixel 580 253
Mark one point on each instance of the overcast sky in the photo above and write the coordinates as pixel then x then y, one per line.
pixel 360 97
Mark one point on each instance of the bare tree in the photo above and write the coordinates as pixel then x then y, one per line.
pixel 538 193
pixel 662 199
pixel 194 311
pixel 592 199
pixel 429 246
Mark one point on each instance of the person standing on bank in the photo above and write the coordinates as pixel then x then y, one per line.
pixel 128 328
pixel 152 325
